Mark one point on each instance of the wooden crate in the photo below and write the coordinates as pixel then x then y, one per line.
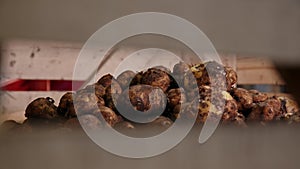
pixel 29 59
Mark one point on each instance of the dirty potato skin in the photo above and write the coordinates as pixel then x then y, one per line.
pixel 215 75
pixel 289 107
pixel 201 92
pixel 192 78
pixel 43 108
pixel 174 113
pixel 196 108
pixel 205 106
pixel 112 94
pixel 66 105
pixel 126 78
pixel 106 80
pixel 243 97
pixel 110 84
pixel 179 70
pixel 173 82
pixel 212 73
pixel 156 77
pixel 112 90
pixel 141 97
pixel 275 108
pixel 200 74
pixel 256 112
pixel 107 114
pixel 87 102
pixel 206 74
pixel 176 97
pixel 96 88
pixel 230 110
pixel 205 92
pixel 231 77
pixel 258 96
pixel 266 111
pixel 137 79
pixel 271 109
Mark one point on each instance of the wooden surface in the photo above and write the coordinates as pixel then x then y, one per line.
pixel 257 70
pixel 28 59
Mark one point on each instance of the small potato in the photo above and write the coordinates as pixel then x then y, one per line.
pixel 157 78
pixel 43 108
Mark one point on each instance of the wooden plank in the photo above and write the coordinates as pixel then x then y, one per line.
pixel 259 76
pixel 32 59
pixel 38 59
pixel 252 62
pixel 257 70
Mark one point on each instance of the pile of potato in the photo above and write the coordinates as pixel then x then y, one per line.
pixel 188 91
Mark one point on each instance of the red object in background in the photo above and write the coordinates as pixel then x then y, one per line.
pixel 41 85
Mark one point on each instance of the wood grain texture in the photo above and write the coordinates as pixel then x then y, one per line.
pixel 257 70
pixel 33 59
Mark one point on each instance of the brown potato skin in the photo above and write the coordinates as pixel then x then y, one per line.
pixel 105 80
pixel 231 77
pixel 157 78
pixel 96 88
pixel 107 114
pixel 140 97
pixel 176 97
pixel 243 97
pixel 269 110
pixel 43 108
pixel 66 105
pixel 258 96
pixel 87 102
pixel 126 78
